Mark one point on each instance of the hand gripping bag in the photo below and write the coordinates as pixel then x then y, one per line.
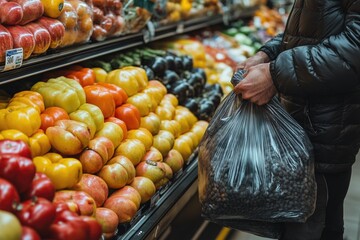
pixel 256 167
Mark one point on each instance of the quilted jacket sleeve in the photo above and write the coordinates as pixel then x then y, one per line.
pixel 328 68
pixel 272 47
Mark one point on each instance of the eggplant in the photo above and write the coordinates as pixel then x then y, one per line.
pixel 159 66
pixel 170 60
pixel 187 63
pixel 206 109
pixel 192 105
pixel 170 77
pixel 149 72
pixel 179 67
pixel 215 88
pixel 180 90
pixel 202 73
pixel 196 80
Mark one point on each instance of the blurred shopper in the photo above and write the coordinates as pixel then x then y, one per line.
pixel 314 66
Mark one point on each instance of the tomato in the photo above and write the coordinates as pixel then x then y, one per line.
pixel 15 147
pixel 119 122
pixel 8 195
pixel 101 97
pixel 37 213
pixel 41 187
pixel 129 114
pixel 50 115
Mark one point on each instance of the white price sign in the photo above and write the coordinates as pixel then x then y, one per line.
pixel 13 58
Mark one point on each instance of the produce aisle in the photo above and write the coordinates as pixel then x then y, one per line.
pixel 102 109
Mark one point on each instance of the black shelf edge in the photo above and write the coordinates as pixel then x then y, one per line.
pixel 150 221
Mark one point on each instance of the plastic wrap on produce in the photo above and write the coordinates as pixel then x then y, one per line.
pixel 108 19
pixel 137 13
pixel 77 18
pixel 255 163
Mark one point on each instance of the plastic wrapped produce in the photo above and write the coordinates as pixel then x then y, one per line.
pixel 136 17
pixel 69 19
pixel 22 38
pixel 108 19
pixel 56 30
pixel 42 37
pixel 32 10
pixel 255 163
pixel 6 41
pixel 11 13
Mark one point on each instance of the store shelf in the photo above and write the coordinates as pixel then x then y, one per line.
pixel 68 56
pixel 155 220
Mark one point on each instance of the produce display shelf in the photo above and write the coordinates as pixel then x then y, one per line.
pixel 75 54
pixel 156 219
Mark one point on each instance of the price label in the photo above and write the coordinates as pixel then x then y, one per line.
pixel 180 28
pixel 13 58
pixel 149 32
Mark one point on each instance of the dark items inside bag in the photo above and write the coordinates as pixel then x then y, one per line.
pixel 255 167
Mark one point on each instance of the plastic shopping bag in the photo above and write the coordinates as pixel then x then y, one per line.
pixel 255 164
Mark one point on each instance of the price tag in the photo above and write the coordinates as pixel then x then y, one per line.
pixel 180 28
pixel 149 32
pixel 13 58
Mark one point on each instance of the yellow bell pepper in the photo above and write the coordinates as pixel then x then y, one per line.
pixel 25 119
pixel 131 79
pixel 96 114
pixel 53 8
pixel 39 143
pixel 100 74
pixel 63 172
pixel 14 134
pixel 28 98
pixel 61 92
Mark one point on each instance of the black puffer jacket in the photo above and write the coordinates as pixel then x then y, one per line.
pixel 316 68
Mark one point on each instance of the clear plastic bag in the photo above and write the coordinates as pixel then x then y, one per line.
pixel 255 163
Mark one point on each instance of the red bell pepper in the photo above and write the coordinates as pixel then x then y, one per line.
pixel 37 213
pixel 14 147
pixel 8 196
pixel 41 187
pixel 94 226
pixel 85 76
pixel 18 170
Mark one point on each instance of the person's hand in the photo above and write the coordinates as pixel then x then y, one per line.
pixel 258 58
pixel 257 85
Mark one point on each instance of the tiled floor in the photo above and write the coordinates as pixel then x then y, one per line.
pixel 352 210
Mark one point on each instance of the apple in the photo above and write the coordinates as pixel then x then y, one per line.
pixel 108 220
pixel 96 155
pixel 41 35
pixel 78 201
pixel 175 160
pixel 130 193
pixel 6 42
pixel 112 131
pixel 155 171
pixel 68 137
pixel 22 38
pixel 115 175
pixel 153 154
pixel 145 187
pixel 95 186
pixel 55 28
pixel 33 9
pixel 11 13
pixel 127 164
pixel 124 208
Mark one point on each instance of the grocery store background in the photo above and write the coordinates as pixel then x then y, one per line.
pixel 189 225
